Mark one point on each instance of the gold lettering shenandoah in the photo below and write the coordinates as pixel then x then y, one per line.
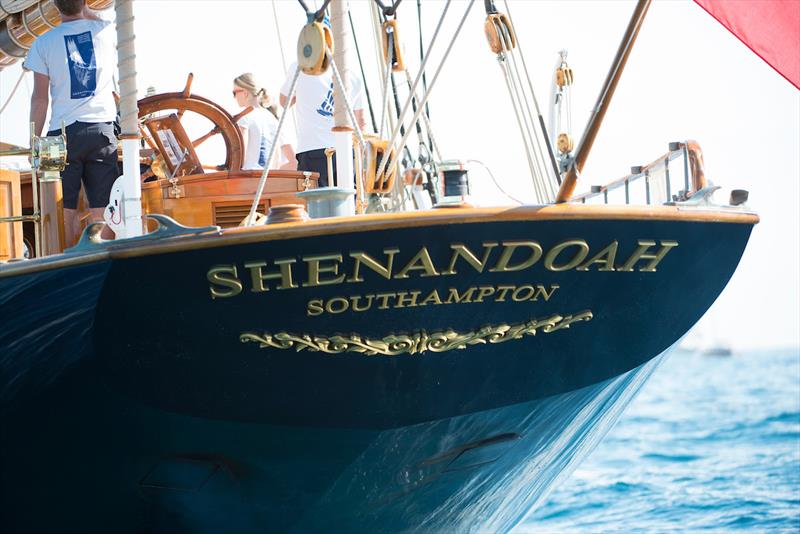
pixel 228 280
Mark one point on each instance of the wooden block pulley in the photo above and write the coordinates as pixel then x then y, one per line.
pixel 313 46
pixel 391 51
pixel 383 182
pixel 499 33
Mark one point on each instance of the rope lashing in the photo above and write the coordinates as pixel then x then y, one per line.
pixel 317 15
pixel 388 11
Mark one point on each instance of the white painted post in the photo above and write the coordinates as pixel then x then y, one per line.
pixel 343 131
pixel 129 111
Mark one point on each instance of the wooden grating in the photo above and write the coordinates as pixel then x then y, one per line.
pixel 231 214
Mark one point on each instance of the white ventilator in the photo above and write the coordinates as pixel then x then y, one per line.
pixel 114 214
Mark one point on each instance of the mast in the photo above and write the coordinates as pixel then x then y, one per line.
pixel 342 130
pixel 603 101
pixel 129 111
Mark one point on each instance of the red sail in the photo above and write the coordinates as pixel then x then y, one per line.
pixel 770 28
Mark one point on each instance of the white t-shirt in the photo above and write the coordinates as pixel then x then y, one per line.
pixel 315 107
pixel 79 57
pixel 260 126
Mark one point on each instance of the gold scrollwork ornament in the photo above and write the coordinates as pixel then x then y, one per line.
pixel 416 343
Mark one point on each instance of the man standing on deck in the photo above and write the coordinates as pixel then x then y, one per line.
pixel 75 62
pixel 314 98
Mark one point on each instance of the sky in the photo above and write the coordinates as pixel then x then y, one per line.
pixel 687 78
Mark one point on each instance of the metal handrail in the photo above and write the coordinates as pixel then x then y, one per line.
pixel 694 178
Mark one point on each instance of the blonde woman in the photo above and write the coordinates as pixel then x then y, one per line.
pixel 259 126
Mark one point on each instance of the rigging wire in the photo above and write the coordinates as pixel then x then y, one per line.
pixel 522 129
pixel 544 173
pixel 383 67
pixel 361 67
pixel 434 146
pixel 393 138
pixel 385 108
pixel 535 140
pixel 278 35
pixel 292 88
pixel 550 151
pixel 427 94
pixel 283 59
pixel 422 54
pixel 13 91
pixel 391 36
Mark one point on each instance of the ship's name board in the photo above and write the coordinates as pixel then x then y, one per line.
pixel 316 270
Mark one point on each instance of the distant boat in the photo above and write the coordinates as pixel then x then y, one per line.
pixel 718 350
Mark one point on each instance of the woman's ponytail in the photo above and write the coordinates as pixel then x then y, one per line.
pixel 248 82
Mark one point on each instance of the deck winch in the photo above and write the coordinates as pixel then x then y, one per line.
pixel 453 179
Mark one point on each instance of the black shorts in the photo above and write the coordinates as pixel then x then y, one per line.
pixel 315 161
pixel 91 159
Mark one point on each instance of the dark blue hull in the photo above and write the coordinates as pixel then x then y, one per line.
pixel 391 377
pixel 85 459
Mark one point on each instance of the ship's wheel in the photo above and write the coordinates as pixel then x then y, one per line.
pixel 175 105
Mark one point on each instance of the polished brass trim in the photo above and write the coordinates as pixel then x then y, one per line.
pixel 416 343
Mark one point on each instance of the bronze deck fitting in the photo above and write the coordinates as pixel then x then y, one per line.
pixel 287 213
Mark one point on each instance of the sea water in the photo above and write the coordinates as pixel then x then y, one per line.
pixel 711 443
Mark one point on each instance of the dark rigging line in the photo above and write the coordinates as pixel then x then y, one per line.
pixel 363 75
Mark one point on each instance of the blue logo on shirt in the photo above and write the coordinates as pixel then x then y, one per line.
pixel 262 153
pixel 82 65
pixel 326 107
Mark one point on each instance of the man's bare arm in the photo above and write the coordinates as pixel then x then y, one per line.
pixel 40 98
pixel 283 100
pixel 359 113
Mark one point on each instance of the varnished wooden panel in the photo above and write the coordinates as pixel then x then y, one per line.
pixel 11 245
pixel 201 198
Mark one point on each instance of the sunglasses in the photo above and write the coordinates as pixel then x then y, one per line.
pixel 237 91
